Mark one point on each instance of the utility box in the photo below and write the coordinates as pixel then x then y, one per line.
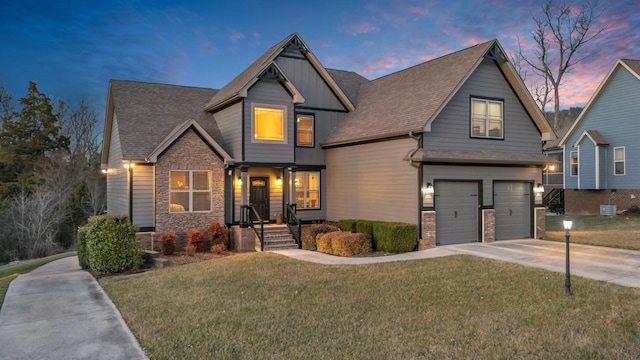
pixel 608 210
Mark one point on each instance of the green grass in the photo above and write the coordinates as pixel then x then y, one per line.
pixel 265 306
pixel 617 231
pixel 10 272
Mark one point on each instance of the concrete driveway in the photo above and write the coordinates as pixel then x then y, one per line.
pixel 58 311
pixel 617 266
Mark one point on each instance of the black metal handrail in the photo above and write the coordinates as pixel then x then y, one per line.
pixel 294 224
pixel 248 209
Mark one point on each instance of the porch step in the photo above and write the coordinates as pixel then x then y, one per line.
pixel 277 237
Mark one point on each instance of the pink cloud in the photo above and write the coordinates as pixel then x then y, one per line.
pixel 236 36
pixel 362 28
pixel 419 10
pixel 256 35
pixel 379 65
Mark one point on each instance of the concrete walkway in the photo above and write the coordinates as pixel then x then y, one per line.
pixel 58 311
pixel 617 266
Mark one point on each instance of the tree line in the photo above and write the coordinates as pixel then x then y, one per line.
pixel 50 180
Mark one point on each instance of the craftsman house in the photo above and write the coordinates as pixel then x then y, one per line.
pixel 600 150
pixel 452 145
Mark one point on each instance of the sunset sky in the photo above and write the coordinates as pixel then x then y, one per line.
pixel 72 48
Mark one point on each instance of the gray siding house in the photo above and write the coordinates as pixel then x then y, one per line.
pixel 452 145
pixel 600 151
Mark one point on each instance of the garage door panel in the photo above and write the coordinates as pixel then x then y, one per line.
pixel 456 205
pixel 512 204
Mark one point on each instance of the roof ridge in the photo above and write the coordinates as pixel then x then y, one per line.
pixel 165 84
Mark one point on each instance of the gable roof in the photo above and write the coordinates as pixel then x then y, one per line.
pixel 410 100
pixel 349 82
pixel 147 112
pixel 594 136
pixel 238 87
pixel 633 66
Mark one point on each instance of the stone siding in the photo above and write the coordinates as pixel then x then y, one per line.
pixel 243 239
pixel 587 202
pixel 189 152
pixel 428 240
pixel 540 216
pixel 488 225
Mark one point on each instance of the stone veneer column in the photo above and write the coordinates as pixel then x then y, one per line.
pixel 428 240
pixel 488 225
pixel 541 225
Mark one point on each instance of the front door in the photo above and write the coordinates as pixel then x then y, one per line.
pixel 259 196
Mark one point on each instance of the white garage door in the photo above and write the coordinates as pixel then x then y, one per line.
pixel 512 203
pixel 456 205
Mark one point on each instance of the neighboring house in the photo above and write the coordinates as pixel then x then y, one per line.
pixel 601 152
pixel 452 145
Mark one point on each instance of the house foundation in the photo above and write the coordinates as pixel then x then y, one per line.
pixel 243 239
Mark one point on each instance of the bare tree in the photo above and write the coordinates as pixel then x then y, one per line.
pixel 80 125
pixel 561 31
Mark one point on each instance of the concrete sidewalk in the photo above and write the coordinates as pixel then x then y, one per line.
pixel 58 311
pixel 617 266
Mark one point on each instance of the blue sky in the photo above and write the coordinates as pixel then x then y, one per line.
pixel 72 48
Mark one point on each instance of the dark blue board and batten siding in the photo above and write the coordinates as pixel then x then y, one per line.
pixel 451 129
pixel 614 114
pixel 266 93
pixel 325 121
pixel 229 121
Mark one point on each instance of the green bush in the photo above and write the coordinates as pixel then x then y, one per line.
pixel 347 225
pixel 349 244
pixel 310 232
pixel 365 227
pixel 394 237
pixel 83 255
pixel 323 242
pixel 112 245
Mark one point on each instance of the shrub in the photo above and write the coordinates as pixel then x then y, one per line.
pixel 111 244
pixel 190 250
pixel 349 244
pixel 394 237
pixel 365 227
pixel 83 255
pixel 323 243
pixel 168 242
pixel 194 239
pixel 310 232
pixel 218 235
pixel 347 225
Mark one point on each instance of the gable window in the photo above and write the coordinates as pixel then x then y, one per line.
pixel 269 124
pixel 190 191
pixel 486 118
pixel 308 190
pixel 618 160
pixel 305 130
pixel 574 163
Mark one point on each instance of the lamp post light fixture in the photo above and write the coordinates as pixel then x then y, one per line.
pixel 567 223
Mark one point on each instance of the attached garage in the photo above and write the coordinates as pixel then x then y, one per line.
pixel 512 203
pixel 456 205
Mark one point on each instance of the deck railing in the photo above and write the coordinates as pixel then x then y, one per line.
pixel 250 216
pixel 294 224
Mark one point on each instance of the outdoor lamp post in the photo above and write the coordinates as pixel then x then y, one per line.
pixel 567 223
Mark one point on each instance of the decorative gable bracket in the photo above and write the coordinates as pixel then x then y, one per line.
pixel 272 73
pixel 296 44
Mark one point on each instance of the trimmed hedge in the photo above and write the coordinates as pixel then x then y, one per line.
pixel 111 244
pixel 311 232
pixel 344 243
pixel 394 237
pixel 83 255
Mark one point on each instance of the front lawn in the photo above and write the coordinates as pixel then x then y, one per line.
pixel 266 306
pixel 11 271
pixel 621 231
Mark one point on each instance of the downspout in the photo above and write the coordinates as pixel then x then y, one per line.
pixel 420 203
pixel 413 151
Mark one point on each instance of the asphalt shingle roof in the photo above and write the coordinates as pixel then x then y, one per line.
pixel 404 101
pixel 349 82
pixel 148 112
pixel 633 64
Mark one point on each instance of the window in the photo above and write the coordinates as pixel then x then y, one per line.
pixel 486 118
pixel 308 190
pixel 305 130
pixel 269 124
pixel 190 191
pixel 574 163
pixel 618 161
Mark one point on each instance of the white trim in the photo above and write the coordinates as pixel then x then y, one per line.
pixel 285 123
pixel 487 121
pixel 191 191
pixel 624 160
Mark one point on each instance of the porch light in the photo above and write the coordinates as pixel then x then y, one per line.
pixel 129 165
pixel 552 167
pixel 539 188
pixel 429 189
pixel 239 181
pixel 278 181
pixel 567 223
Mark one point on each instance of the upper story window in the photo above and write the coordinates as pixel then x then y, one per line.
pixel 269 124
pixel 618 160
pixel 486 118
pixel 305 130
pixel 190 191
pixel 574 163
pixel 308 190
